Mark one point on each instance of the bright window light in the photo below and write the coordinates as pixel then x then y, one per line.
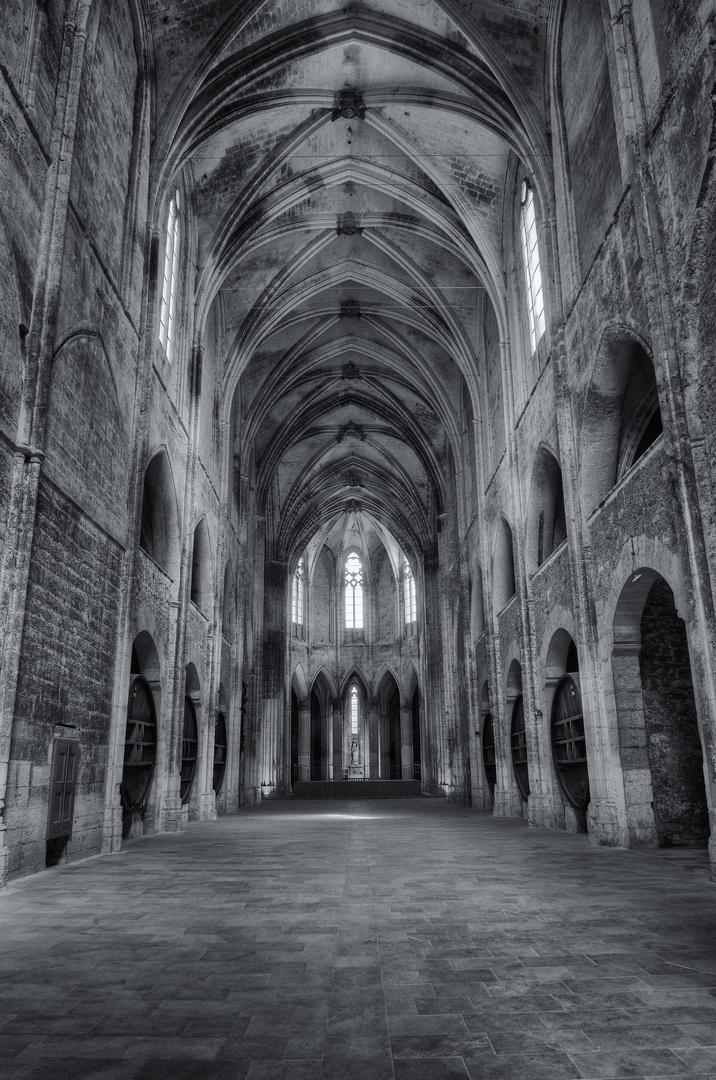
pixel 167 311
pixel 297 594
pixel 409 593
pixel 354 592
pixel 530 259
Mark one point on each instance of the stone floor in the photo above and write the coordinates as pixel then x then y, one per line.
pixel 404 939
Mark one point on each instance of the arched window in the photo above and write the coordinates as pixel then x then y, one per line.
pixel 167 311
pixel 354 592
pixel 354 709
pixel 530 259
pixel 297 594
pixel 409 592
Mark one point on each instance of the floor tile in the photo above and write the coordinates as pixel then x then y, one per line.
pixel 405 940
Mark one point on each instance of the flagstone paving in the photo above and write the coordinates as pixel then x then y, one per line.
pixel 385 940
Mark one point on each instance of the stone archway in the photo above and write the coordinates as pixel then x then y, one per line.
pixel 659 737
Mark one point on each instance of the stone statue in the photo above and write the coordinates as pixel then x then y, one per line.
pixel 355 752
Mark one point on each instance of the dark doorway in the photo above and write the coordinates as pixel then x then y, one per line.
pixel 417 757
pixel 63 784
pixel 672 733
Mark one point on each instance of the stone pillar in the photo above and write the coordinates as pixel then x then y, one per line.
pixel 304 739
pixel 275 652
pixel 337 740
pixel 406 740
pixel 373 741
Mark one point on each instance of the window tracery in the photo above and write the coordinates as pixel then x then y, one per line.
pixel 167 311
pixel 297 594
pixel 354 592
pixel 531 263
pixel 354 709
pixel 409 592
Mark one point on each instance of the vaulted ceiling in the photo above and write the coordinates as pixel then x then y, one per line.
pixel 348 165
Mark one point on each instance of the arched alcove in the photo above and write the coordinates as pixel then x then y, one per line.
pixel 388 698
pixel 190 734
pixel 518 734
pixel 141 734
pixel 202 591
pixel 489 748
pixel 546 519
pixel 503 575
pixel 159 531
pixel 567 734
pixel 321 704
pixel 221 741
pixel 620 417
pixel 659 736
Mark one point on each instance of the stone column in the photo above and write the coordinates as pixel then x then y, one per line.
pixel 304 739
pixel 337 740
pixel 406 740
pixel 373 741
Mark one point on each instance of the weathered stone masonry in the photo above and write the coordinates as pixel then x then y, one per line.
pixel 352 368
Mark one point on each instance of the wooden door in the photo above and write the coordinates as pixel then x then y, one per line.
pixel 63 784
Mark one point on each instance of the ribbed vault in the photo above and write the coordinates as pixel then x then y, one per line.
pixel 347 166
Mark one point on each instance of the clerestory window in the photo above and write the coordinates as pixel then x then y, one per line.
pixel 409 593
pixel 167 311
pixel 297 594
pixel 354 592
pixel 530 259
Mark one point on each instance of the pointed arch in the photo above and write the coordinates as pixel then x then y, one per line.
pixel 411 681
pixel 202 574
pixel 546 517
pixel 299 683
pixel 503 571
pixel 323 682
pixel 160 522
pixel 355 675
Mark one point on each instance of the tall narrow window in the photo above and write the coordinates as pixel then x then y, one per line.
pixel 530 258
pixel 167 311
pixel 409 592
pixel 354 710
pixel 297 594
pixel 354 592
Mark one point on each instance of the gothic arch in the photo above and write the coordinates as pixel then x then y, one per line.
pixel 620 399
pixel 298 682
pixel 546 519
pixel 160 522
pixel 202 575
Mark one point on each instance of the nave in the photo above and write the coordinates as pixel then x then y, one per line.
pixel 343 940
